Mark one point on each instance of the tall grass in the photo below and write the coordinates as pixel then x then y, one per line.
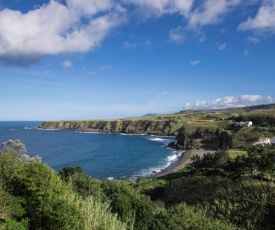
pixel 96 215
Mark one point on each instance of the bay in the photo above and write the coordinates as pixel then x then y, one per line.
pixel 100 155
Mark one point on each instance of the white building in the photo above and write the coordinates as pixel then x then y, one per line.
pixel 244 123
pixel 248 123
pixel 267 141
pixel 240 124
pixel 263 141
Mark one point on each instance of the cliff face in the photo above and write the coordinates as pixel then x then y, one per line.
pixel 163 127
pixel 188 136
pixel 202 136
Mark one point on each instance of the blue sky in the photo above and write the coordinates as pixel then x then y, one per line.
pixel 101 59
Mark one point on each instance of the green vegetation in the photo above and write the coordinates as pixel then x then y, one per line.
pixel 221 190
pixel 34 197
pixel 231 188
pixel 214 129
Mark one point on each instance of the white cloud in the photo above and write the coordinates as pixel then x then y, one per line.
pixel 176 35
pixel 105 67
pixel 254 40
pixel 232 101
pixel 264 20
pixel 201 104
pixel 202 39
pixel 222 47
pixel 270 99
pixel 89 7
pixel 187 106
pixel 195 62
pixel 250 98
pixel 211 12
pixel 246 53
pixel 55 28
pixel 158 8
pixel 67 64
pixel 129 45
pixel 147 43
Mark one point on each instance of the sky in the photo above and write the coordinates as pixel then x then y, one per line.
pixel 107 59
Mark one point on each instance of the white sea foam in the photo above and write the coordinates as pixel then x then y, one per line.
pixel 131 134
pixel 48 129
pixel 153 170
pixel 156 139
pixel 160 139
pixel 87 132
pixel 172 158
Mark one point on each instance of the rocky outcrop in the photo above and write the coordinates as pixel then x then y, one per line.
pixel 202 136
pixel 188 136
pixel 154 127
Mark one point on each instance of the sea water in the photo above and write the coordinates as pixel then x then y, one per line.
pixel 100 155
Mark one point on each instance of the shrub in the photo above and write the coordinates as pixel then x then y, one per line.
pixel 126 202
pixel 184 217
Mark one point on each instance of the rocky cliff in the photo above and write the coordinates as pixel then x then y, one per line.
pixel 188 136
pixel 153 127
pixel 206 136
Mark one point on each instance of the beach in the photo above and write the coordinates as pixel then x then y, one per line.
pixel 183 161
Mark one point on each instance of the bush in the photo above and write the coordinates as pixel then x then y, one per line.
pixel 83 184
pixel 192 190
pixel 49 204
pixel 126 202
pixel 247 204
pixel 184 217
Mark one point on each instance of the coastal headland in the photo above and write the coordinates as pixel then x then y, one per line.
pixel 193 129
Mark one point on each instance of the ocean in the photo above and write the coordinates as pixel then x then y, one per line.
pixel 101 155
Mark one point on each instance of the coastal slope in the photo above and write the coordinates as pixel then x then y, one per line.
pixel 135 126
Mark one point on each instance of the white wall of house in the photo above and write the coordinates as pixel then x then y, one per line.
pixel 267 141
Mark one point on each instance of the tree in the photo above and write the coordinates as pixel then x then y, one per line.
pixel 14 145
pixel 210 162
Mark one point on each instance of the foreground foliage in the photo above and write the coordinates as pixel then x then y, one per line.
pixel 215 192
pixel 34 197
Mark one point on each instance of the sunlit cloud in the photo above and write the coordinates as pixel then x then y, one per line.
pixel 202 39
pixel 176 35
pixel 254 40
pixel 158 8
pixel 129 45
pixel 67 64
pixel 232 101
pixel 56 28
pixel 222 47
pixel 246 53
pixel 80 26
pixel 264 20
pixel 195 62
pixel 211 12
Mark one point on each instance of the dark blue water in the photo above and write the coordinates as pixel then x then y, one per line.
pixel 100 155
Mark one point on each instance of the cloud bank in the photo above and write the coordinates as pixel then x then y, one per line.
pixel 54 28
pixel 232 101
pixel 264 20
pixel 79 26
pixel 159 8
pixel 211 12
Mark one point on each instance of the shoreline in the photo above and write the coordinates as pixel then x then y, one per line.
pixel 183 161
